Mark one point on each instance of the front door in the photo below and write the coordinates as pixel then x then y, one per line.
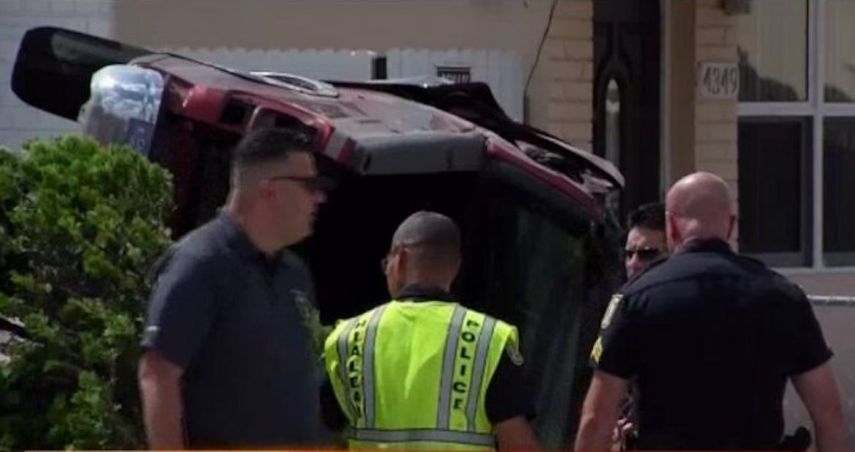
pixel 626 97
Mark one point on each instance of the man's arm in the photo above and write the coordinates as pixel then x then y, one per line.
pixel 600 412
pixel 160 388
pixel 516 434
pixel 818 391
pixel 180 315
pixel 509 410
pixel 332 414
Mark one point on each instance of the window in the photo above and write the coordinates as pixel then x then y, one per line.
pixel 773 51
pixel 839 51
pixel 543 293
pixel 548 276
pixel 797 132
pixel 774 172
pixel 613 121
pixel 612 133
pixel 839 191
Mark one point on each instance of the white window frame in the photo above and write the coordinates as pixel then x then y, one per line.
pixel 816 109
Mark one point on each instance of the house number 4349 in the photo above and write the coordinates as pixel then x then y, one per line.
pixel 718 80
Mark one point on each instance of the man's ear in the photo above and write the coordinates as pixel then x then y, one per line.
pixel 731 227
pixel 264 189
pixel 672 232
pixel 401 262
pixel 454 269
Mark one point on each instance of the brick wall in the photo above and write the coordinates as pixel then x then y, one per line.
pixel 716 120
pixel 18 121
pixel 568 54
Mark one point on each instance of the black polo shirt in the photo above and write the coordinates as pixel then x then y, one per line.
pixel 507 395
pixel 711 337
pixel 232 318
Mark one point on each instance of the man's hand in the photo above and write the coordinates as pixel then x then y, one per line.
pixel 515 434
pixel 160 388
pixel 621 431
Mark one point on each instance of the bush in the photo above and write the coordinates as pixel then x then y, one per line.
pixel 80 225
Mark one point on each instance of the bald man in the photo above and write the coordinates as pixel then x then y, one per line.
pixel 423 372
pixel 712 339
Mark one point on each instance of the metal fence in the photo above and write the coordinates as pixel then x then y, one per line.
pixel 832 300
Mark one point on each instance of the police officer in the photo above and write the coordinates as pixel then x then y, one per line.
pixel 645 241
pixel 712 338
pixel 645 244
pixel 422 371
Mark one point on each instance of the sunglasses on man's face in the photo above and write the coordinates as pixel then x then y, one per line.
pixel 644 254
pixel 310 183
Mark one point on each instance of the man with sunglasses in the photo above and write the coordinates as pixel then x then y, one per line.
pixel 645 244
pixel 227 360
pixel 423 372
pixel 645 241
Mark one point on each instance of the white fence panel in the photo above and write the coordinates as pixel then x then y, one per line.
pixel 326 64
pixel 499 69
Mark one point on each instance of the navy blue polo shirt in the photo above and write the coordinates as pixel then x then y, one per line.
pixel 233 320
pixel 712 338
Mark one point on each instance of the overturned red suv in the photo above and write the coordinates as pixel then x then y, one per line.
pixel 539 252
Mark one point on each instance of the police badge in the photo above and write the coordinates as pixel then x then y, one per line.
pixel 610 310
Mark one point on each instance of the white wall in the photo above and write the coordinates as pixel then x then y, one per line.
pixel 18 121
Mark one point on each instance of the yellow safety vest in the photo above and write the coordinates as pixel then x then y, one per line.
pixel 414 375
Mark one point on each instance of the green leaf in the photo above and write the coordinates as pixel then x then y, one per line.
pixel 80 225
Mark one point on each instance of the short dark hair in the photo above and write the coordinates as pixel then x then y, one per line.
pixel 649 216
pixel 436 234
pixel 266 144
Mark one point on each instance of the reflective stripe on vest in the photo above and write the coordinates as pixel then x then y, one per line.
pixel 466 370
pixel 440 436
pixel 351 408
pixel 478 372
pixel 444 407
pixel 453 360
pixel 355 348
pixel 368 365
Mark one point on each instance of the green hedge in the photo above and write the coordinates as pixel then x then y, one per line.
pixel 80 225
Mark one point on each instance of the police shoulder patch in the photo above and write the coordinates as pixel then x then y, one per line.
pixel 597 350
pixel 514 353
pixel 610 310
